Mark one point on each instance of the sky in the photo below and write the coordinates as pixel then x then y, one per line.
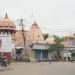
pixel 56 17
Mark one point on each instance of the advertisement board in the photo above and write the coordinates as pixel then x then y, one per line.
pixel 5 43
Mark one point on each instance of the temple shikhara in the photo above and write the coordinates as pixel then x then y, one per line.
pixel 32 36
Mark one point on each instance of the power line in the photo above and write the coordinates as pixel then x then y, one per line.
pixel 48 29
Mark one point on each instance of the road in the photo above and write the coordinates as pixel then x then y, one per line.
pixel 40 68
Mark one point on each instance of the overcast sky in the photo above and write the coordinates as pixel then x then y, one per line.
pixel 53 16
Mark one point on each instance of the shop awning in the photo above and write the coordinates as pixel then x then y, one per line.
pixel 18 47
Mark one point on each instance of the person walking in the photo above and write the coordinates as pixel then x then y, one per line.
pixel 69 56
pixel 4 61
pixel 50 58
pixel 0 58
pixel 0 61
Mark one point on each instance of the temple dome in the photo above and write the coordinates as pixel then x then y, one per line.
pixel 6 24
pixel 50 40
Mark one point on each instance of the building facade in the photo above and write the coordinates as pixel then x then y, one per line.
pixel 33 35
pixel 7 30
pixel 70 46
pixel 69 42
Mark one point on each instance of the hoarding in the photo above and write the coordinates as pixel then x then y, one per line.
pixel 40 46
pixel 5 43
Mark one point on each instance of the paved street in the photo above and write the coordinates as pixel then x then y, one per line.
pixel 43 68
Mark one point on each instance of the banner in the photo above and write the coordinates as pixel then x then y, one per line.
pixel 5 43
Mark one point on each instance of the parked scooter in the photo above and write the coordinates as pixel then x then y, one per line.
pixel 4 62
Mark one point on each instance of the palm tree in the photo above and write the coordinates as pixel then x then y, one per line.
pixel 58 46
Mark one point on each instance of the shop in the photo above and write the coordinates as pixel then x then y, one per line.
pixel 40 52
pixel 72 51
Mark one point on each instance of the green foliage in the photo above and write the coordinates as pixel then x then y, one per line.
pixel 58 40
pixel 58 47
pixel 46 36
pixel 74 34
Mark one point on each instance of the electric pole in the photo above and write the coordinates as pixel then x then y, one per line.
pixel 24 41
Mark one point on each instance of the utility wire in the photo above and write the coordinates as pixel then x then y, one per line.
pixel 29 24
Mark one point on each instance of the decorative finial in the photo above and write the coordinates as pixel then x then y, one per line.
pixel 6 16
pixel 35 24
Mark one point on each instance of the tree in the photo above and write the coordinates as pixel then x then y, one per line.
pixel 74 34
pixel 46 35
pixel 58 46
pixel 58 40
